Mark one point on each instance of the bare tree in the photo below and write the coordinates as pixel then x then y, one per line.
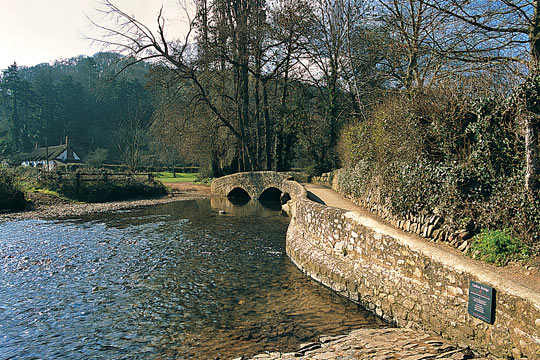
pixel 328 57
pixel 416 35
pixel 242 59
pixel 491 31
pixel 132 37
pixel 131 134
pixel 286 34
pixel 272 38
pixel 501 31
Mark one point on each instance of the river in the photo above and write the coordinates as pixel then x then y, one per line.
pixel 177 280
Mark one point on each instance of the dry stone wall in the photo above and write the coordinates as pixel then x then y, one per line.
pixel 409 282
pixel 430 226
pixel 324 179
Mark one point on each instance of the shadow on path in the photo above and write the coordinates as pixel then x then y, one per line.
pixel 311 196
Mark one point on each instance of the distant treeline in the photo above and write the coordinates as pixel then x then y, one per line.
pixel 85 99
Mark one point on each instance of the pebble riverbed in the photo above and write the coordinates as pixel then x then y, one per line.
pixel 377 344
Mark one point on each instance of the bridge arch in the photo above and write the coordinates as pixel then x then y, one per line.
pixel 271 193
pixel 238 192
pixel 238 196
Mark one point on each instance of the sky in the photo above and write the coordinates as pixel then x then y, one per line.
pixel 42 31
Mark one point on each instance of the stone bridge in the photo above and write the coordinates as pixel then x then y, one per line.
pixel 258 185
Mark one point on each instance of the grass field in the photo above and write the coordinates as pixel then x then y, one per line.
pixel 167 177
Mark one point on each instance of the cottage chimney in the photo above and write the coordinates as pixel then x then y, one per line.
pixel 66 142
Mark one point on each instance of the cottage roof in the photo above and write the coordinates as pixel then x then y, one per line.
pixel 40 154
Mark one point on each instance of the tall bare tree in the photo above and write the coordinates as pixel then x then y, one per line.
pixel 327 54
pixel 501 31
pixel 287 26
pixel 179 56
pixel 416 35
pixel 242 60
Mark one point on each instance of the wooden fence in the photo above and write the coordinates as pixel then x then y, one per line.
pixel 80 177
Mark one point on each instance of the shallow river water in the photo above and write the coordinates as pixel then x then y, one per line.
pixel 172 281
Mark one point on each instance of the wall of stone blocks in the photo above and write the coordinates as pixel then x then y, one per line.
pixel 407 281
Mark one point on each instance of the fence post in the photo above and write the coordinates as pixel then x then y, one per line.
pixel 78 183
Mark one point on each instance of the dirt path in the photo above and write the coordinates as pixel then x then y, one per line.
pixel 189 188
pixel 332 198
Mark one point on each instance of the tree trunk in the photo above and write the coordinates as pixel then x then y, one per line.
pixel 280 163
pixel 534 40
pixel 333 89
pixel 531 150
pixel 268 129
pixel 531 121
pixel 258 111
pixel 279 148
pixel 214 163
pixel 245 115
pixel 243 57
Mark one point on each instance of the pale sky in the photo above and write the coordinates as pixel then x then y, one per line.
pixel 38 31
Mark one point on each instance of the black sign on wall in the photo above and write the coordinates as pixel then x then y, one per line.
pixel 482 302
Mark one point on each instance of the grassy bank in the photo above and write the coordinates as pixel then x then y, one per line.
pixel 169 177
pixel 101 186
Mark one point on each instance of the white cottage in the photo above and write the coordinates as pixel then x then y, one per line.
pixel 53 155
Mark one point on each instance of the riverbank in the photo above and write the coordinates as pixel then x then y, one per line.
pixel 47 206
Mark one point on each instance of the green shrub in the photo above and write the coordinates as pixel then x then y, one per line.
pixel 27 177
pixel 97 157
pixel 11 196
pixel 203 181
pixel 104 191
pixel 392 132
pixel 354 181
pixel 105 188
pixel 498 247
pixel 412 188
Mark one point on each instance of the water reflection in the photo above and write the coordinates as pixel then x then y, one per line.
pixel 172 281
pixel 235 206
pixel 238 200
